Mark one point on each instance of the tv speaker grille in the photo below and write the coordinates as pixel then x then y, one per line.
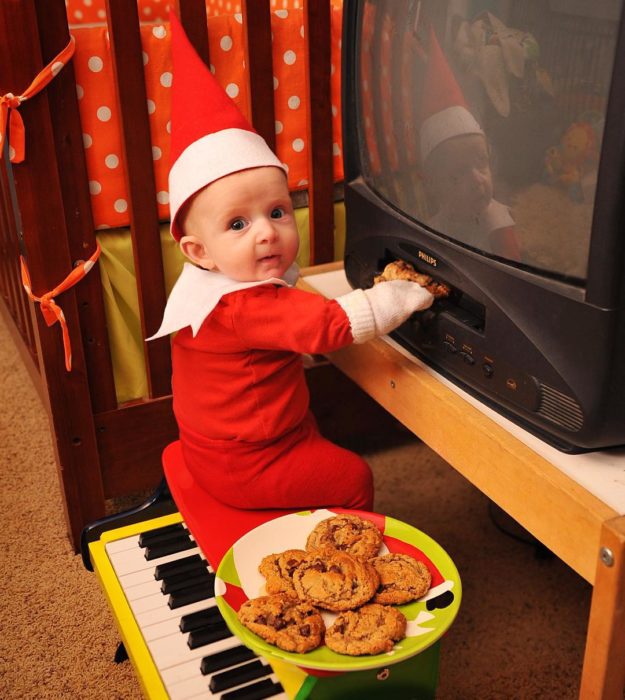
pixel 560 409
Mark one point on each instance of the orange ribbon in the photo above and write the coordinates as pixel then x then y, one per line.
pixel 51 311
pixel 9 103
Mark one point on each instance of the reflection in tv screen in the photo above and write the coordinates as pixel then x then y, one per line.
pixel 483 119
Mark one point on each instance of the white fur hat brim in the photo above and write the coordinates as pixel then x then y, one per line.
pixel 212 157
pixel 449 122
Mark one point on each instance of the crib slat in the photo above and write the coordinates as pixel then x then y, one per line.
pixel 192 15
pixel 126 51
pixel 12 291
pixel 66 125
pixel 321 177
pixel 258 58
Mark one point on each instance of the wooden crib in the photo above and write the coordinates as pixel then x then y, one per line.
pixel 106 448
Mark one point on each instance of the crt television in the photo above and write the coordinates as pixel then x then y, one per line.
pixel 484 146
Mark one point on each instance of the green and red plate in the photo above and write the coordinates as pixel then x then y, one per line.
pixel 238 579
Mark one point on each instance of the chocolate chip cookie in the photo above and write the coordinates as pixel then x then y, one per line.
pixel 373 629
pixel 346 533
pixel 402 579
pixel 284 621
pixel 401 270
pixel 278 570
pixel 335 580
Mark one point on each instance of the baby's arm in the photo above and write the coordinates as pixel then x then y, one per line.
pixel 292 319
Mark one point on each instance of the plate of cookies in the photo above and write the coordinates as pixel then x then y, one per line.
pixel 337 590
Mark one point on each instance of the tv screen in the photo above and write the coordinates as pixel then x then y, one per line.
pixel 485 147
pixel 484 119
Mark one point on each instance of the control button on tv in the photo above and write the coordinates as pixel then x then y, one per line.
pixel 469 359
pixel 488 369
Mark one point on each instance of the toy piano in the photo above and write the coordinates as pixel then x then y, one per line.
pixel 165 587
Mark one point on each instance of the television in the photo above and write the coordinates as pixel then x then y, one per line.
pixel 484 145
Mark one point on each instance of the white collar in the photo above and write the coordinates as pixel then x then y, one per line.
pixel 197 292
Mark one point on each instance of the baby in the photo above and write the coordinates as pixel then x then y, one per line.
pixel 239 391
pixel 459 178
pixel 456 165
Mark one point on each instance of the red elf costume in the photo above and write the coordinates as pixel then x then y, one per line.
pixel 239 392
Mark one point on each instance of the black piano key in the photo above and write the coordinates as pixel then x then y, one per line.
pixel 178 566
pixel 241 674
pixel 163 539
pixel 209 634
pixel 193 594
pixel 255 691
pixel 162 549
pixel 146 537
pixel 191 578
pixel 225 659
pixel 201 618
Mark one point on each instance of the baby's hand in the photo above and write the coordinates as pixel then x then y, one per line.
pixel 393 302
pixel 379 310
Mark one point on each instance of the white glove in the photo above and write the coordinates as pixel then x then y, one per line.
pixel 382 308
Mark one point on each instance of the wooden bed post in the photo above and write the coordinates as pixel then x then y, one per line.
pixel 320 138
pixel 37 33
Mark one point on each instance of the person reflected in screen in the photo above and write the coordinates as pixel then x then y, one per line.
pixel 456 166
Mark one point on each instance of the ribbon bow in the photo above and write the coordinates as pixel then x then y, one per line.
pixel 9 104
pixel 50 310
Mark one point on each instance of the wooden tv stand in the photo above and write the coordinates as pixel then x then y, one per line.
pixel 574 504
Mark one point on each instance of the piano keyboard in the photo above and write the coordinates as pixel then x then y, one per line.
pixel 161 590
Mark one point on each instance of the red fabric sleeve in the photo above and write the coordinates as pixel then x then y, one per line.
pixel 283 318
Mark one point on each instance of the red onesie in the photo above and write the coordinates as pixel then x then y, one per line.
pixel 241 402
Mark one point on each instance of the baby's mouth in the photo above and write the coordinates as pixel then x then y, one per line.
pixel 269 258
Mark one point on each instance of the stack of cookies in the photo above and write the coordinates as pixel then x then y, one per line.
pixel 340 572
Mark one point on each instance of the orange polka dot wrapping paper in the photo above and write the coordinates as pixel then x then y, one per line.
pixel 102 138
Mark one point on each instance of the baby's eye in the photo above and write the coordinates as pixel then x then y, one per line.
pixel 238 225
pixel 277 213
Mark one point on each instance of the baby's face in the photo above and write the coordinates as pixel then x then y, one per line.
pixel 243 225
pixel 461 177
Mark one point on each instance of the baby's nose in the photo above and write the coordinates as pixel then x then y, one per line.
pixel 265 230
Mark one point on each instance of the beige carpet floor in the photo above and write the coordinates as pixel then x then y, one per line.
pixel 519 634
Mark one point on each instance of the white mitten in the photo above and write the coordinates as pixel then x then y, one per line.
pixel 382 308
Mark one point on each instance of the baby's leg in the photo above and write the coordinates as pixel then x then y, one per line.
pixel 300 470
pixel 313 473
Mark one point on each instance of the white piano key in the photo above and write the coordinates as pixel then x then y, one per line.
pixel 149 602
pixel 137 577
pixel 193 685
pixel 172 650
pixel 145 589
pixel 132 560
pixel 186 680
pixel 183 671
pixel 216 696
pixel 122 545
pixel 166 627
pixel 149 617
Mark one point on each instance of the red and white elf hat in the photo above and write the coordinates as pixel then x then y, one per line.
pixel 210 137
pixel 445 112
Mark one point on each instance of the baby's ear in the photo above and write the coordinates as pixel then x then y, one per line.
pixel 193 248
